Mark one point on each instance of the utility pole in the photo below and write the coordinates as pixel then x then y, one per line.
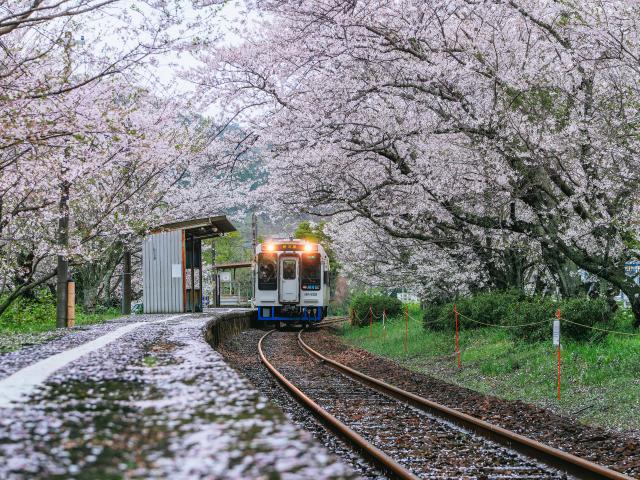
pixel 254 245
pixel 215 300
pixel 254 233
pixel 63 243
pixel 62 270
pixel 126 282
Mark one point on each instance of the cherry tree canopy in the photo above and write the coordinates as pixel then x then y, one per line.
pixel 85 134
pixel 502 130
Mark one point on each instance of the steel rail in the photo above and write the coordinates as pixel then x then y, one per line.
pixel 374 453
pixel 551 456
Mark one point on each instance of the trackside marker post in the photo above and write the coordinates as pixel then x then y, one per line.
pixel 455 311
pixel 406 327
pixel 556 343
pixel 384 325
pixel 370 322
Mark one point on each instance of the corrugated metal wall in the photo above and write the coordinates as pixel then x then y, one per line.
pixel 162 261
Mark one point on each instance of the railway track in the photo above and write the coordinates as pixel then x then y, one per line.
pixel 406 435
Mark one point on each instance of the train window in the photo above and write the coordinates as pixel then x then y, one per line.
pixel 267 278
pixel 310 272
pixel 288 269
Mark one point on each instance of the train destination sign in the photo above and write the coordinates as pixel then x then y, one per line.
pixel 296 247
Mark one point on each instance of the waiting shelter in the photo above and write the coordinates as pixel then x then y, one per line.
pixel 172 263
pixel 229 291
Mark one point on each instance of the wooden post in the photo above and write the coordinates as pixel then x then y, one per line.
pixel 559 362
pixel 406 328
pixel 62 269
pixel 126 282
pixel 558 349
pixel 193 276
pixel 384 325
pixel 455 311
pixel 200 294
pixel 214 276
pixel 71 304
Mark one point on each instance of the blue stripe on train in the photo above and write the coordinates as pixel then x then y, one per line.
pixel 304 317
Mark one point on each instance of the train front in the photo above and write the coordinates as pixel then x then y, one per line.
pixel 291 281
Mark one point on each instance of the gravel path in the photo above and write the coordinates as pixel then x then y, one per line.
pixel 156 403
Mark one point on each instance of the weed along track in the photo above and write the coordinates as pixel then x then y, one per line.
pixel 400 438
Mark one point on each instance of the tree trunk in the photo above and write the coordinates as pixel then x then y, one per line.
pixel 635 307
pixel 63 263
pixel 633 292
pixel 126 282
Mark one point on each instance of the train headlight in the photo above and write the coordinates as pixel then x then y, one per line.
pixel 308 247
pixel 270 247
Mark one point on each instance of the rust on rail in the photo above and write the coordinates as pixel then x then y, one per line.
pixel 374 453
pixel 554 457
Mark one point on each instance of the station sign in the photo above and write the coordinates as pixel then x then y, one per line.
pixel 632 268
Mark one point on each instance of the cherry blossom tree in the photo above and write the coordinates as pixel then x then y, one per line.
pixel 90 155
pixel 502 129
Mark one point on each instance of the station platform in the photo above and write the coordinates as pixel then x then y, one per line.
pixel 144 397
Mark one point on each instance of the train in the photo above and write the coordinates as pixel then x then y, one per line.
pixel 291 281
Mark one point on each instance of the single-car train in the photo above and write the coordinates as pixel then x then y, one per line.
pixel 291 281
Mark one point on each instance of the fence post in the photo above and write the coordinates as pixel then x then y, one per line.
pixel 370 322
pixel 406 327
pixel 455 311
pixel 558 350
pixel 384 325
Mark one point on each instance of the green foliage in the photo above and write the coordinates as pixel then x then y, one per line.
pixel 600 379
pixel 361 303
pixel 30 315
pixel 231 247
pixel 533 315
pixel 314 232
pixel 488 307
pixel 39 314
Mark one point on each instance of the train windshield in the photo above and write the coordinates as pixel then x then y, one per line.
pixel 310 272
pixel 288 269
pixel 267 278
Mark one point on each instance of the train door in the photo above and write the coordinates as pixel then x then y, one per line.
pixel 289 283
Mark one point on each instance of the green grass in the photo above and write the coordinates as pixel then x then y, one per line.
pixel 39 315
pixel 600 380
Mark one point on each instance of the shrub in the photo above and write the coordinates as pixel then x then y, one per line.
pixel 361 303
pixel 591 312
pixel 535 314
pixel 28 315
pixel 487 307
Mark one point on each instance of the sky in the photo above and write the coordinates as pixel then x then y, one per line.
pixel 167 72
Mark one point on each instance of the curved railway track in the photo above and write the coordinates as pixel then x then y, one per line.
pixel 410 432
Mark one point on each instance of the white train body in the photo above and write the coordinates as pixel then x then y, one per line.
pixel 291 281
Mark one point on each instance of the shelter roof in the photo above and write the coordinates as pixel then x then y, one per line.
pixel 200 227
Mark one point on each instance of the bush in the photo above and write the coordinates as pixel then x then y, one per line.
pixel 591 312
pixel 361 303
pixel 535 314
pixel 537 311
pixel 30 315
